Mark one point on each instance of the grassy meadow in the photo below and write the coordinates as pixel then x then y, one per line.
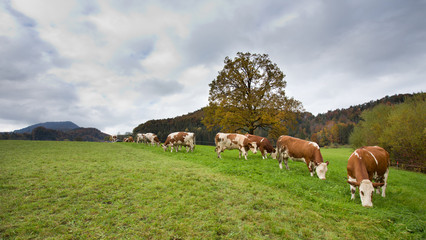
pixel 87 190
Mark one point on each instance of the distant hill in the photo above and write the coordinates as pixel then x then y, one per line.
pixel 78 134
pixel 56 131
pixel 60 126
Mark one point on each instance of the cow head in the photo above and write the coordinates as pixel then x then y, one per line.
pixel 164 147
pixel 366 189
pixel 321 170
pixel 253 147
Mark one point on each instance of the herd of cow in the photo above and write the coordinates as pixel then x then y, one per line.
pixel 365 164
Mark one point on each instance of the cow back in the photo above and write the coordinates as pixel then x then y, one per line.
pixel 376 160
pixel 231 140
pixel 261 142
pixel 298 148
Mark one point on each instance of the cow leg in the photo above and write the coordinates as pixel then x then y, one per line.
pixel 353 191
pixel 245 154
pixel 352 187
pixel 285 159
pixel 286 163
pixel 386 183
pixel 218 151
pixel 280 161
pixel 378 190
pixel 264 154
pixel 311 167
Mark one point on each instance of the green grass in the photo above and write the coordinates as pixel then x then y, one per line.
pixel 83 190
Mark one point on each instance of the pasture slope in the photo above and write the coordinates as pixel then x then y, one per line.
pixel 87 190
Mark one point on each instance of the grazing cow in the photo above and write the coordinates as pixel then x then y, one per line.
pixel 234 141
pixel 177 139
pixel 365 165
pixel 128 139
pixel 152 138
pixel 306 151
pixel 140 137
pixel 263 145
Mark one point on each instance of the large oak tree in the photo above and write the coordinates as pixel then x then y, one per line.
pixel 249 94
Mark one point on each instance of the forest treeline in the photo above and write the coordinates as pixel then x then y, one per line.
pixel 333 128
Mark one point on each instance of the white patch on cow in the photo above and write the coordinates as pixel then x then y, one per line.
pixel 172 135
pixel 262 140
pixel 377 163
pixel 357 155
pixel 314 144
pixel 366 190
pixel 321 170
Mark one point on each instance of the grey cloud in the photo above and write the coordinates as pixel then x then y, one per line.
pixel 127 58
pixel 354 36
pixel 243 26
pixel 25 56
pixel 158 87
pixel 36 100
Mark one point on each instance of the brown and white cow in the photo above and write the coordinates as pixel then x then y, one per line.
pixel 128 139
pixel 263 145
pixel 365 165
pixel 306 151
pixel 152 138
pixel 178 139
pixel 234 141
pixel 140 137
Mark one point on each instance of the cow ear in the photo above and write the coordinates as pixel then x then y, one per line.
pixel 376 184
pixel 356 184
pixel 327 163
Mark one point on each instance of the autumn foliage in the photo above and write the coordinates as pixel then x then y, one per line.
pixel 400 129
pixel 248 94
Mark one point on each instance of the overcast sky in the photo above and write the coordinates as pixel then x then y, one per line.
pixel 115 64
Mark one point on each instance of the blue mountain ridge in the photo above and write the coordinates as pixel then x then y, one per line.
pixel 61 126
